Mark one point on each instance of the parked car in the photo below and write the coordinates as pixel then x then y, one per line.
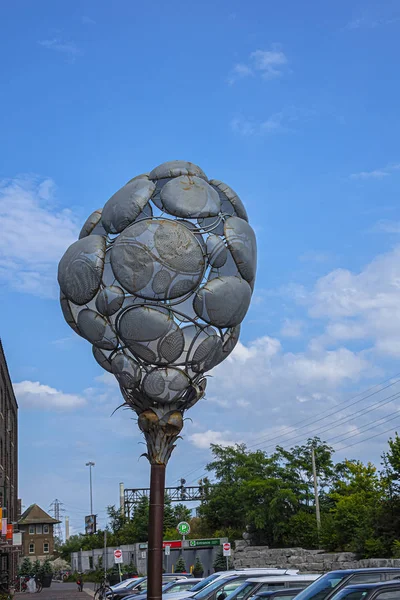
pixel 170 587
pixel 243 574
pixel 288 594
pixel 389 590
pixel 224 587
pixel 254 585
pixel 329 584
pixel 139 586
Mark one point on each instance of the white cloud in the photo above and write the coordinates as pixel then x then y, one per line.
pixel 34 235
pixel 35 395
pixel 364 305
pixel 280 122
pixel 204 439
pixel 292 328
pixel 269 64
pixel 69 49
pixel 387 226
pixel 376 173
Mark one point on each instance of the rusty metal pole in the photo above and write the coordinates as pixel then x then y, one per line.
pixel 156 521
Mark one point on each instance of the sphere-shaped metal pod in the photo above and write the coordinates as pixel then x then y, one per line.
pixel 159 283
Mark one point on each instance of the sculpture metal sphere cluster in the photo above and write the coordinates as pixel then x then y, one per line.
pixel 159 282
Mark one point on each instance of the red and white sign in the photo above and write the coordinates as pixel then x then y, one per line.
pixel 174 544
pixel 118 556
pixel 227 549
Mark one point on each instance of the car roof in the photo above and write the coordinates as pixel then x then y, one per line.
pixel 278 578
pixel 373 586
pixel 365 570
pixel 269 593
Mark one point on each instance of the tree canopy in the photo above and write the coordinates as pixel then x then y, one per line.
pixel 271 498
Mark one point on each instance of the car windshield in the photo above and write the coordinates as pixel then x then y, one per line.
pixel 351 594
pixel 202 584
pixel 140 585
pixel 128 583
pixel 211 588
pixel 321 587
pixel 243 591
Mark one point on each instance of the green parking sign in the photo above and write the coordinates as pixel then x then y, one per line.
pixel 183 528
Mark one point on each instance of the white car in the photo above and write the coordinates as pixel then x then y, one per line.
pixel 256 585
pixel 241 575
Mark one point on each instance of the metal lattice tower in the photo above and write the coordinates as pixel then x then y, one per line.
pixel 56 508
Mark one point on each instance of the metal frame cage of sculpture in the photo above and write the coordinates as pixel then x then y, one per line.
pixel 159 283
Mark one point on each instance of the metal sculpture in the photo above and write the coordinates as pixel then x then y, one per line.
pixel 159 282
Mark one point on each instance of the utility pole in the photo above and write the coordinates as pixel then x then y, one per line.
pixel 90 464
pixel 317 513
pixel 66 529
pixel 121 499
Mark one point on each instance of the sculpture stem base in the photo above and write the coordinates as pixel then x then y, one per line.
pixel 156 521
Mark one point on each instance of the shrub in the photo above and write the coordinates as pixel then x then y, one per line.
pixel 180 566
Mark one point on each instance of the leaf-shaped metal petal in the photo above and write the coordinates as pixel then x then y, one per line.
pixel 81 268
pixel 216 251
pixel 96 329
pixel 126 370
pixel 242 243
pixel 231 195
pixel 190 197
pixel 90 223
pixel 223 301
pixel 125 205
pixel 110 300
pixel 175 168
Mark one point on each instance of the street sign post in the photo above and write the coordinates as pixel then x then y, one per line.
pixel 183 528
pixel 118 559
pixel 118 556
pixel 227 552
pixel 167 550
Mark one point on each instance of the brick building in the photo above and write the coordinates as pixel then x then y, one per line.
pixel 8 463
pixel 37 529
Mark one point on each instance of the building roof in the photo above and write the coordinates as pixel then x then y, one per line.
pixel 36 515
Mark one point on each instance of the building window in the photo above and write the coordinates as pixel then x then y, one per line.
pixel 31 548
pixel 45 548
pixel 39 529
pixel 45 529
pixel 31 529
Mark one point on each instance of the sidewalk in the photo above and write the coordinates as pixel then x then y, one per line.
pixel 62 591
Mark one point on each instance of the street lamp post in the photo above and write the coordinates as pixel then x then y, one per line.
pixel 159 283
pixel 90 464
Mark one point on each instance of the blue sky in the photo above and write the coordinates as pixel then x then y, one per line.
pixel 295 105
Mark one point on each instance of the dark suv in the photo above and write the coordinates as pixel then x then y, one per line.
pixel 370 591
pixel 328 585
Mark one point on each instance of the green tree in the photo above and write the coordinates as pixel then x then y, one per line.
pixel 25 567
pixel 181 513
pixel 219 563
pixel 36 567
pixel 180 566
pixel 198 568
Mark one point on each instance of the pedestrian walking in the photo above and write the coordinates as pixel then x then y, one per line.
pixel 79 583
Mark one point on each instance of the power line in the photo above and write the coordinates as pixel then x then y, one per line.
pixel 366 439
pixel 333 412
pixel 343 420
pixel 312 422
